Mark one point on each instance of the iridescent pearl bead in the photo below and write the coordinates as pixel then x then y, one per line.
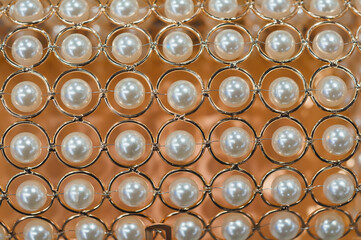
pixel 182 95
pixel 280 45
pixel 26 96
pixel 76 11
pixel 229 44
pixel 27 10
pixel 276 8
pixel 235 142
pixel 287 141
pixel 89 229
pixel 236 227
pixel 37 229
pixel 130 145
pixel 325 7
pixel 76 147
pixel 130 228
pixel 338 188
pixel 286 189
pixel 76 48
pixel 27 50
pixel 329 226
pixel 284 225
pixel 331 91
pixel 180 145
pixel 76 94
pixel 328 44
pixel 234 91
pixel 338 139
pixel 79 194
pixel 183 192
pixel 223 8
pixel 178 10
pixel 188 227
pixel 283 92
pixel 177 46
pixel 129 93
pixel 133 191
pixel 237 190
pixel 31 195
pixel 25 147
pixel 125 11
pixel 127 48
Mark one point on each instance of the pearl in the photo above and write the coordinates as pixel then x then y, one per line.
pixel 284 226
pixel 236 227
pixel 37 229
pixel 235 142
pixel 337 139
pixel 328 44
pixel 26 96
pixel 31 195
pixel 287 141
pixel 178 10
pixel 127 48
pixel 125 11
pixel 76 11
pixel 130 145
pixel 234 91
pixel 182 95
pixel 130 228
pixel 183 192
pixel 223 8
pixel 229 44
pixel 283 92
pixel 338 188
pixel 280 45
pixel 133 191
pixel 325 7
pixel 237 190
pixel 129 93
pixel 27 10
pixel 3 234
pixel 188 227
pixel 89 229
pixel 177 46
pixel 27 50
pixel 79 194
pixel 330 226
pixel 25 147
pixel 76 94
pixel 277 8
pixel 331 91
pixel 76 48
pixel 180 145
pixel 76 147
pixel 286 189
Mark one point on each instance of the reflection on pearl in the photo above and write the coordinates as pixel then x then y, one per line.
pixel 76 94
pixel 129 93
pixel 188 227
pixel 130 228
pixel 27 10
pixel 180 145
pixel 125 11
pixel 328 44
pixel 89 229
pixel 79 194
pixel 178 10
pixel 76 48
pixel 237 190
pixel 76 147
pixel 229 44
pixel 130 145
pixel 331 91
pixel 236 227
pixel 329 226
pixel 177 46
pixel 133 191
pixel 25 147
pixel 277 8
pixel 286 189
pixel 284 225
pixel 183 192
pixel 27 50
pixel 235 142
pixel 325 8
pixel 26 96
pixel 234 91
pixel 284 92
pixel 37 229
pixel 74 10
pixel 31 195
pixel 338 139
pixel 182 95
pixel 287 141
pixel 127 48
pixel 280 45
pixel 338 188
pixel 223 8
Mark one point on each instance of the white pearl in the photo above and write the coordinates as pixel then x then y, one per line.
pixel 125 11
pixel 223 8
pixel 328 44
pixel 25 147
pixel 325 7
pixel 76 94
pixel 182 95
pixel 129 93
pixel 89 229
pixel 76 48
pixel 27 50
pixel 337 139
pixel 229 44
pixel 236 227
pixel 74 10
pixel 183 192
pixel 26 96
pixel 27 10
pixel 280 45
pixel 338 188
pixel 76 147
pixel 331 91
pixel 37 229
pixel 127 48
pixel 237 190
pixel 133 191
pixel 234 91
pixel 177 46
pixel 178 10
pixel 287 141
pixel 284 226
pixel 180 145
pixel 329 226
pixel 286 189
pixel 130 145
pixel 235 142
pixel 31 195
pixel 283 92
pixel 277 8
pixel 130 228
pixel 188 227
pixel 79 194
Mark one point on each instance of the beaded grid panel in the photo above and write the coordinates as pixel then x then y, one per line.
pixel 209 167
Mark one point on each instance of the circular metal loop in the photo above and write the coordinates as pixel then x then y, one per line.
pixel 247 6
pixel 45 17
pixel 292 13
pixel 319 17
pixel 138 215
pixel 26 218
pixel 169 20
